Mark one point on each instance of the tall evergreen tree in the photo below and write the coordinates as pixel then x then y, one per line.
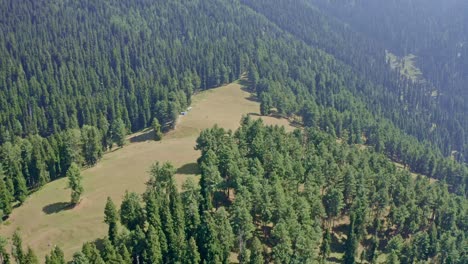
pixel 56 256
pixel 6 197
pixel 256 256
pixel 17 248
pixel 325 246
pixel 111 219
pixel 157 129
pixel 119 132
pixel 91 140
pixel 131 212
pixel 351 244
pixel 192 256
pixel 152 252
pixel 75 183
pixel 4 255
pixel 79 258
pixel 30 257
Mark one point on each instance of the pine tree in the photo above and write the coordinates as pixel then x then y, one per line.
pixel 56 257
pixel 282 251
pixel 392 258
pixel 157 129
pixel 325 247
pixel 351 244
pixel 103 126
pixel 80 258
pixel 333 203
pixel 108 252
pixel 126 257
pixel 75 183
pixel 131 212
pixel 5 196
pixel 210 178
pixel 242 221
pixel 91 253
pixel 265 104
pixel 256 249
pixel 119 132
pixel 192 256
pixel 17 250
pixel 30 257
pixel 111 218
pixel 152 252
pixel 4 256
pixel 21 190
pixel 191 201
pixel 91 141
pixel 137 242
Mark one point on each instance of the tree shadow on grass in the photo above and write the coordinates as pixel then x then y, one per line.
pixel 99 243
pixel 334 260
pixel 145 136
pixel 337 245
pixel 244 82
pixel 254 114
pixel 252 97
pixel 189 168
pixel 57 207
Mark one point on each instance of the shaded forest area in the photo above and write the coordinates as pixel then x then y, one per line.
pixel 268 196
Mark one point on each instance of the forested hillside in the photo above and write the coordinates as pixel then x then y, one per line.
pixel 77 76
pixel 110 65
pixel 269 196
pixel 437 33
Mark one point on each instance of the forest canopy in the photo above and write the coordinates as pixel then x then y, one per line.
pixel 76 77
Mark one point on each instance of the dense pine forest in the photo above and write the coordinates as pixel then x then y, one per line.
pixel 77 76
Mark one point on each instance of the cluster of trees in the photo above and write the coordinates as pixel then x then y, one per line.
pixel 75 76
pixel 117 71
pixel 266 195
pixel 28 163
pixel 356 90
pixel 432 30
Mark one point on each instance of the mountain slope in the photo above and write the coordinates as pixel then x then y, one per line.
pixel 107 63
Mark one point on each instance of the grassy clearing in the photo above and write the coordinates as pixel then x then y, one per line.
pixel 44 220
pixel 406 65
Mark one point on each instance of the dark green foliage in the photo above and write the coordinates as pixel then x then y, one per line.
pixel 325 246
pixel 256 255
pixel 91 254
pixel 118 132
pixel 75 183
pixel 30 257
pixel 333 203
pixel 284 188
pixel 265 104
pixel 109 253
pixel 192 255
pixel 131 212
pixel 56 257
pixel 6 197
pixel 64 98
pixel 111 218
pixel 152 252
pixel 79 258
pixel 191 202
pixel 4 254
pixel 157 129
pixel 351 244
pixel 91 141
pixel 17 248
pixel 128 76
